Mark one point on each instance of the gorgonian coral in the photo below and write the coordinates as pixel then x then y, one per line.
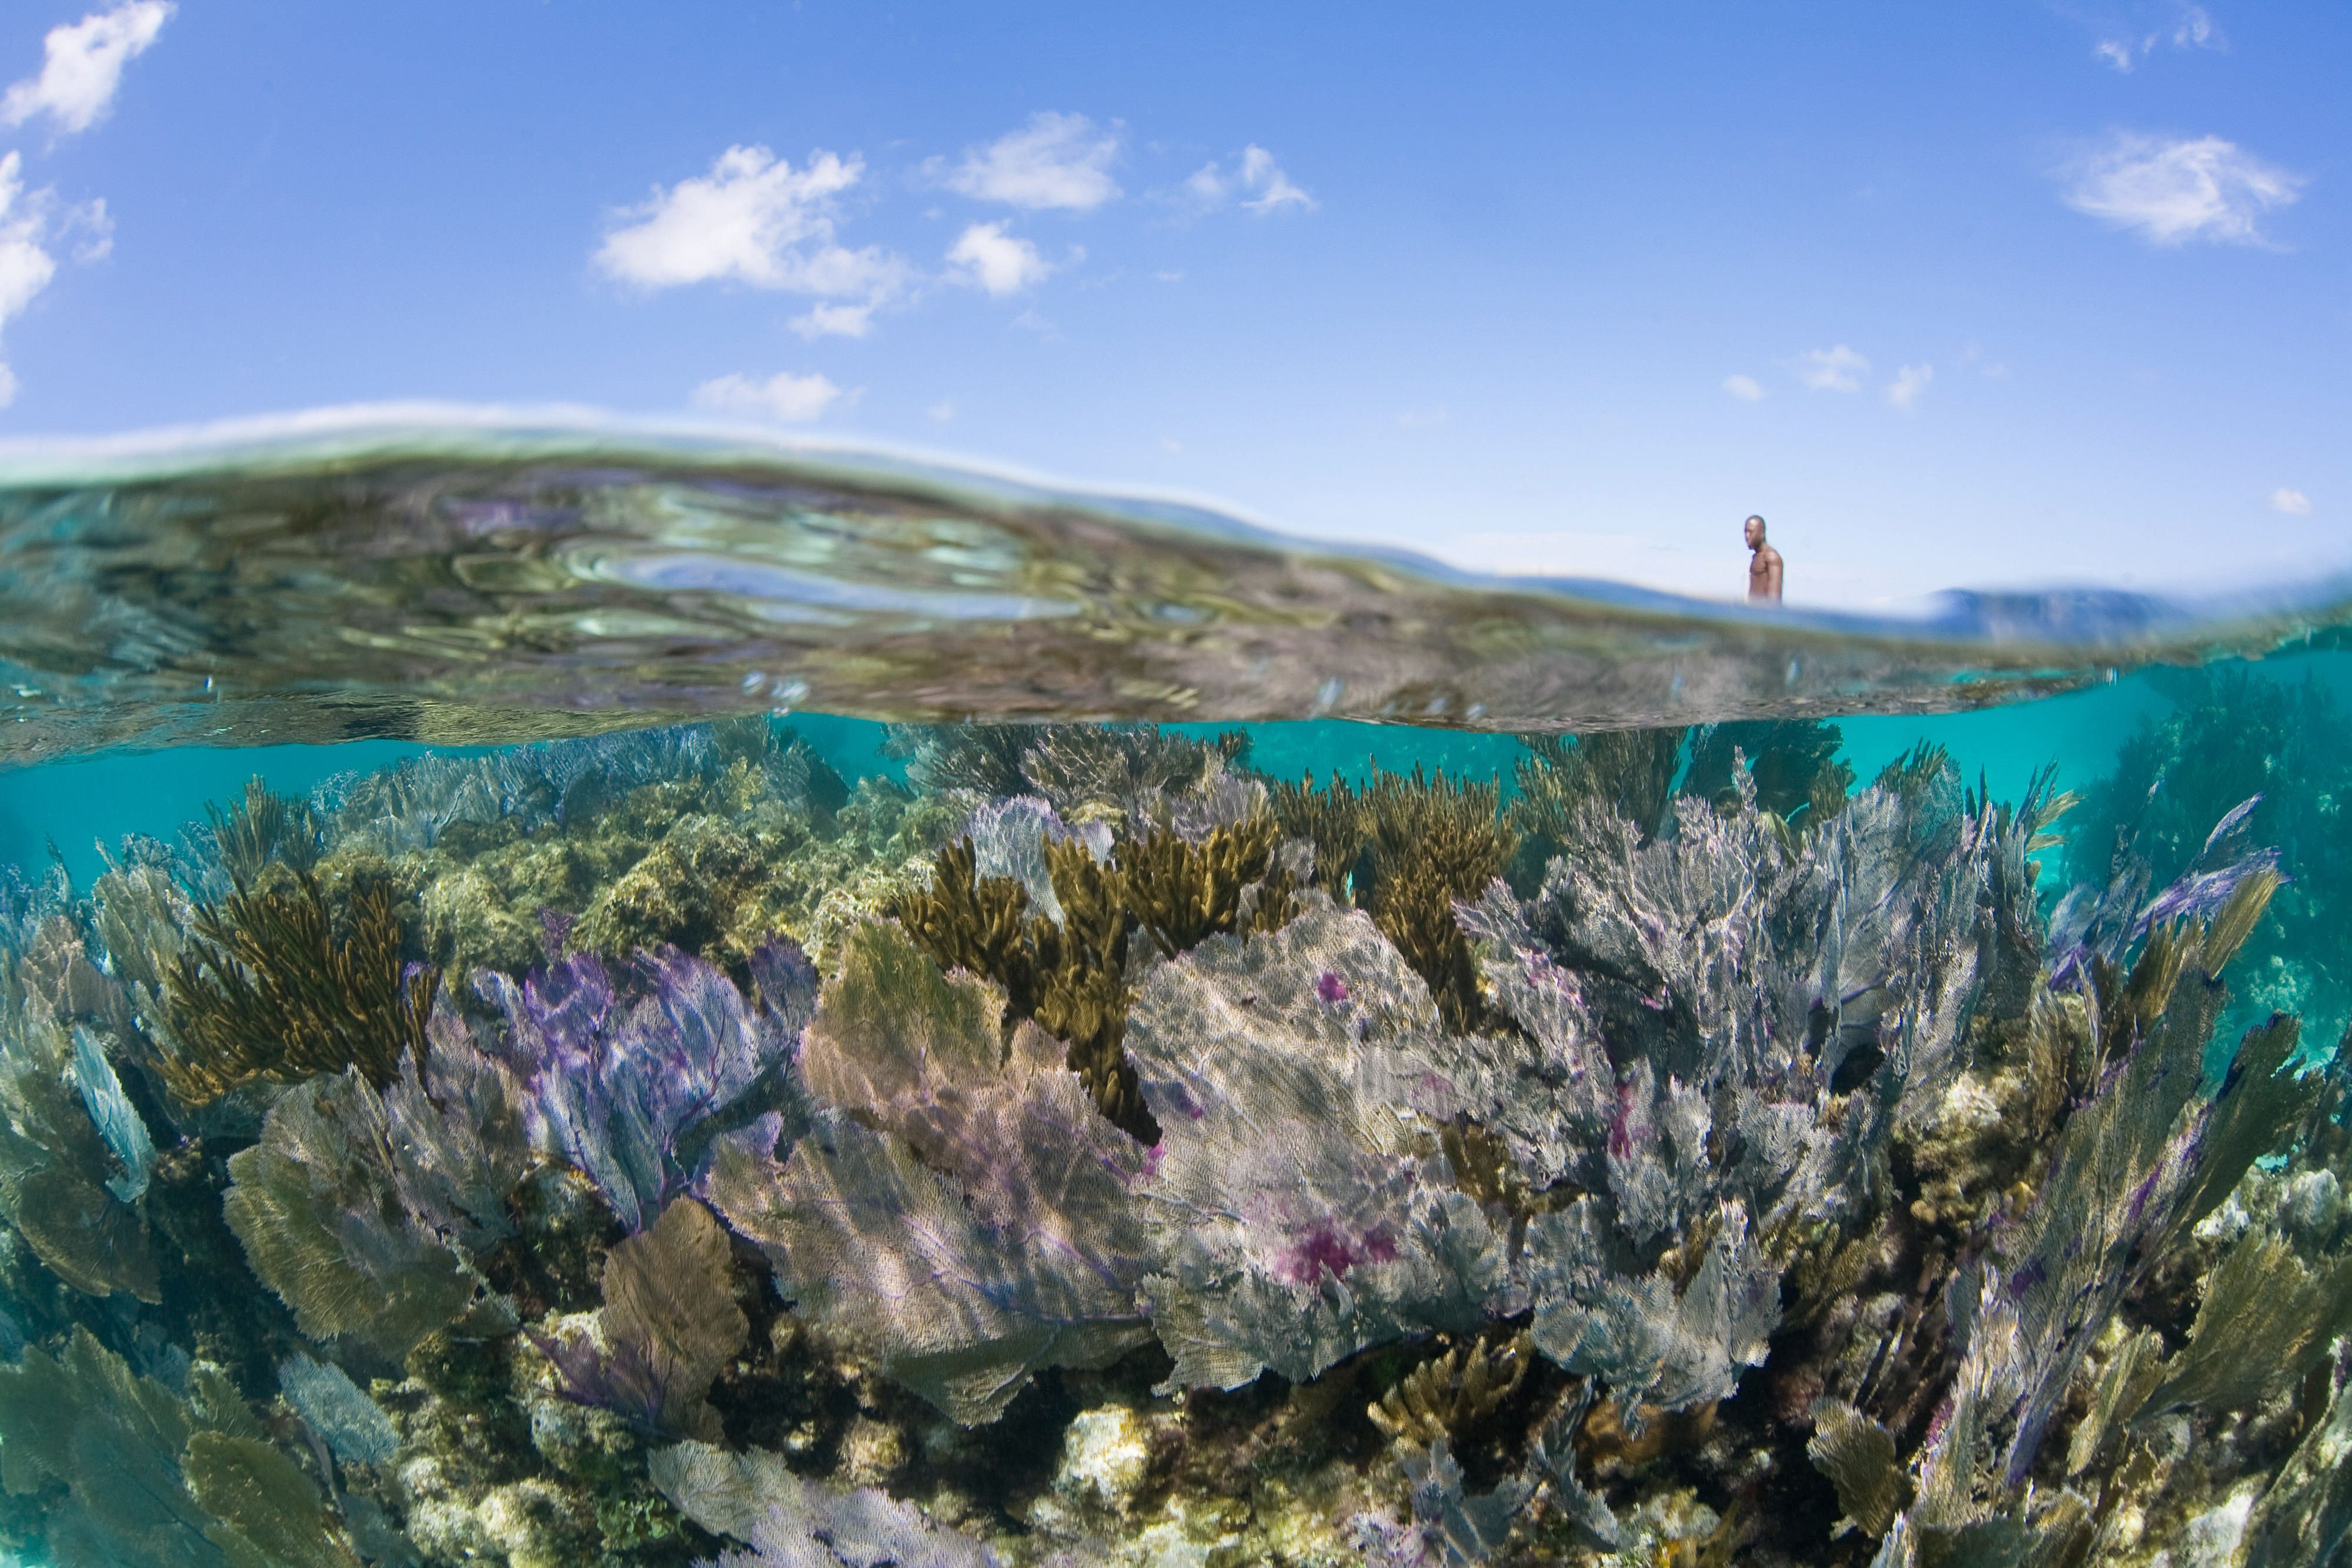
pixel 272 985
pixel 959 1208
pixel 369 1211
pixel 622 1080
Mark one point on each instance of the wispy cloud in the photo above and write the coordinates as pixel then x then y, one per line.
pixel 2294 503
pixel 1055 160
pixel 1909 382
pixel 82 65
pixel 1422 418
pixel 1744 388
pixel 2190 27
pixel 1838 369
pixel 783 397
pixel 31 223
pixel 834 320
pixel 2172 191
pixel 755 219
pixel 1259 180
pixel 986 256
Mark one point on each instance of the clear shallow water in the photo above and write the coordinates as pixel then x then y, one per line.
pixel 1673 1078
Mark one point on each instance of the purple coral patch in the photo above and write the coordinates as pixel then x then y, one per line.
pixel 618 1078
pixel 1327 1250
pixel 1331 988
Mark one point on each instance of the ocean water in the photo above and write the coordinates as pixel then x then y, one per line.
pixel 581 996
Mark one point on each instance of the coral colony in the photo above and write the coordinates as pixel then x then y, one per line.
pixel 655 1151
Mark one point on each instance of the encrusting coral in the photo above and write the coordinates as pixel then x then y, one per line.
pixel 1762 1172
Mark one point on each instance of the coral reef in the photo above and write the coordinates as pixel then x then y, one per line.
pixel 1094 1154
pixel 1791 763
pixel 1067 965
pixel 1444 1398
pixel 621 1083
pixel 962 1208
pixel 371 1211
pixel 667 1328
pixel 270 984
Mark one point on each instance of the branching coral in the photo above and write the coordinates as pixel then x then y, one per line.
pixel 1083 994
pixel 1084 771
pixel 1435 842
pixel 1793 763
pixel 263 828
pixel 272 985
pixel 1447 1396
pixel 1335 819
pixel 1631 771
pixel 1182 894
pixel 1065 965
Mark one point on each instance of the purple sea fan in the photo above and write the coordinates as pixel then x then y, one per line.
pixel 1297 1217
pixel 961 1210
pixel 618 1080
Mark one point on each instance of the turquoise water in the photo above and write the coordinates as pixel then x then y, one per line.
pixel 569 998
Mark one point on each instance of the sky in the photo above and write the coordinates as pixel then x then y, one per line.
pixel 2001 295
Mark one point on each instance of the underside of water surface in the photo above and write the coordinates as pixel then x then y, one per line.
pixel 840 1013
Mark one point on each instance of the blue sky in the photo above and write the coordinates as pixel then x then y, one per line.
pixel 1981 295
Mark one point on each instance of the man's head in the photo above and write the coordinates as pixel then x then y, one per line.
pixel 1754 532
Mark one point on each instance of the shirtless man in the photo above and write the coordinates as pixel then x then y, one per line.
pixel 1763 565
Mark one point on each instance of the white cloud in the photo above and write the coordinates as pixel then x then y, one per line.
pixel 2294 503
pixel 1909 382
pixel 755 219
pixel 783 396
pixel 1000 263
pixel 1422 418
pixel 832 320
pixel 1262 174
pixel 943 410
pixel 1055 161
pixel 31 223
pixel 1832 370
pixel 1744 388
pixel 1259 178
pixel 83 66
pixel 2170 192
pixel 2191 27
